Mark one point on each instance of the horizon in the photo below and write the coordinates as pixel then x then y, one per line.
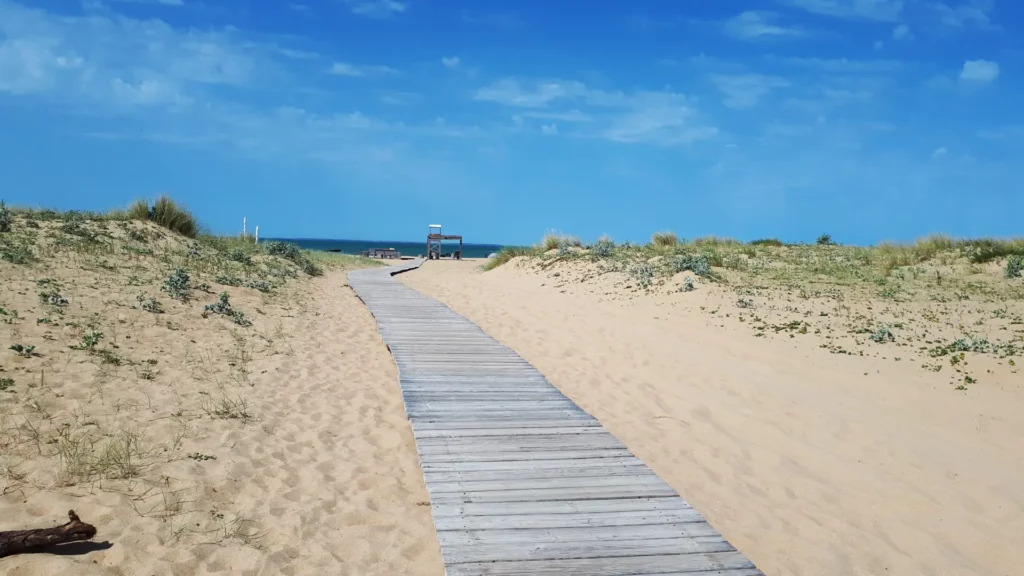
pixel 872 121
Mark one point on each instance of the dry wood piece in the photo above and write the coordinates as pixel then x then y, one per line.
pixel 19 541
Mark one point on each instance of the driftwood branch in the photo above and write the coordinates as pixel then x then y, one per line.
pixel 19 541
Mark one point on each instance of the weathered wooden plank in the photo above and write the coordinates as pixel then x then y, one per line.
pixel 498 552
pixel 661 564
pixel 553 494
pixel 521 480
pixel 523 538
pixel 571 520
pixel 563 507
pixel 521 474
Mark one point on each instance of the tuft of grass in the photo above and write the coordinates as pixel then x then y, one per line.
pixel 166 213
pixel 664 239
pixel 767 242
pixel 554 240
pixel 506 254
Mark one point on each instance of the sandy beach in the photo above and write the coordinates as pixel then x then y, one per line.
pixel 198 445
pixel 810 462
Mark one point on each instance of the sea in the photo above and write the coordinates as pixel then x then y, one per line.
pixel 405 248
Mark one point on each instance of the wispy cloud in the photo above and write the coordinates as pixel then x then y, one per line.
pixel 745 90
pixel 376 8
pixel 883 10
pixel 450 61
pixel 660 118
pixel 981 71
pixel 901 32
pixel 973 13
pixel 347 69
pixel 753 25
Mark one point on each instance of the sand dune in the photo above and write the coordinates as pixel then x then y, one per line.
pixel 809 462
pixel 197 446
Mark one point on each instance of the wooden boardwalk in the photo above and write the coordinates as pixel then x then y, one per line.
pixel 521 480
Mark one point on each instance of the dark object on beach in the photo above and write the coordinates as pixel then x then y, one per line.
pixel 335 250
pixel 19 541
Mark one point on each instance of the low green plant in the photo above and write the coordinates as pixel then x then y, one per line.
pixel 696 263
pixel 22 350
pixel 883 335
pixel 6 384
pixel 177 285
pixel 52 298
pixel 150 304
pixel 223 307
pixel 825 240
pixel 688 285
pixel 16 253
pixel 603 248
pixel 1014 266
pixel 643 273
pixel 768 242
pixel 89 340
pixel 506 254
pixel 239 255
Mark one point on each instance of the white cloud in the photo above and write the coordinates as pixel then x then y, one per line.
pixel 512 92
pixel 346 69
pixel 745 90
pixel 659 118
pixel 376 8
pixel 752 24
pixel 842 65
pixel 979 71
pixel 567 116
pixel 451 61
pixel 901 32
pixel 939 152
pixel 549 129
pixel 882 10
pixel 973 13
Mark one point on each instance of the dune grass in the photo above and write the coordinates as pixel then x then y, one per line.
pixel 664 239
pixel 554 240
pixel 166 213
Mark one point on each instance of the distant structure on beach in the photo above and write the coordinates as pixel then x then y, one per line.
pixel 384 253
pixel 435 244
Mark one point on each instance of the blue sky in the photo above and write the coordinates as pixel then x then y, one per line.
pixel 868 119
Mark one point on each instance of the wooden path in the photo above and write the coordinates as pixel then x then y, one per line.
pixel 521 480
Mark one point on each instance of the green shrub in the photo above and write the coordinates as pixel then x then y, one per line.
pixel 825 240
pixel 177 285
pixel 696 263
pixel 5 218
pixel 223 307
pixel 1014 266
pixel 768 242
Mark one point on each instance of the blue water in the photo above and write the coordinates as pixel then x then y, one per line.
pixel 406 248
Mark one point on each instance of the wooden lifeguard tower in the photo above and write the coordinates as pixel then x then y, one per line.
pixel 435 244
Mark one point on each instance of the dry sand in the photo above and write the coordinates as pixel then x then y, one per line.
pixel 197 446
pixel 809 462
